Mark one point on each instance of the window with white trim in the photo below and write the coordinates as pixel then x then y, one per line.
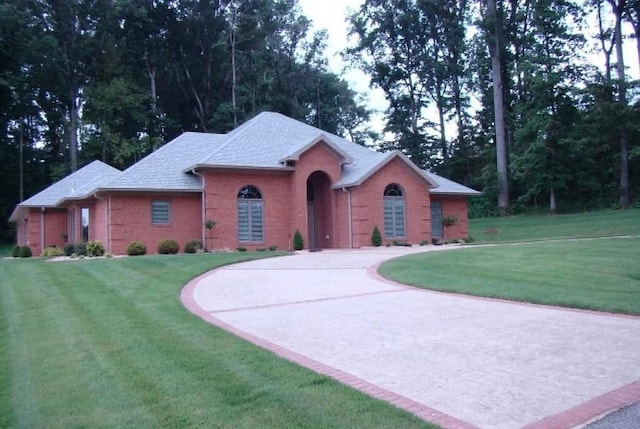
pixel 250 215
pixel 160 212
pixel 394 212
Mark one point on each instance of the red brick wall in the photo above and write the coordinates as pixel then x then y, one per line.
pixel 284 197
pixel 98 222
pixel 34 237
pixel 319 157
pixel 221 206
pixel 54 222
pixel 454 206
pixel 130 220
pixel 368 206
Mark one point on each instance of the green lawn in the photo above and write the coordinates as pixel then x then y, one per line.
pixel 106 343
pixel 519 228
pixel 600 274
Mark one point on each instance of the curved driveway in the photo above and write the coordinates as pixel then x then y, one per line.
pixel 454 360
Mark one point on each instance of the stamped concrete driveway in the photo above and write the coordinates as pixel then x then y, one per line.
pixel 454 360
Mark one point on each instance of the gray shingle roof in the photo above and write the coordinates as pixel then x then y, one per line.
pixel 77 185
pixel 266 141
pixel 164 169
pixel 269 138
pixel 449 187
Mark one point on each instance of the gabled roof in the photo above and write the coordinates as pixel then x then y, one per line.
pixel 167 169
pixel 448 187
pixel 270 139
pixel 321 138
pixel 379 163
pixel 77 185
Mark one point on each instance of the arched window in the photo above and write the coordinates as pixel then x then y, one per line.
pixel 250 218
pixel 394 212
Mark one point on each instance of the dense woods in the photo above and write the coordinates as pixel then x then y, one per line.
pixel 495 94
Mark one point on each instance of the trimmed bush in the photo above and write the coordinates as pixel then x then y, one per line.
pixel 80 249
pixel 15 252
pixel 298 242
pixel 273 248
pixel 376 238
pixel 95 248
pixel 52 252
pixel 69 249
pixel 167 246
pixel 193 246
pixel 136 248
pixel 241 249
pixel 25 252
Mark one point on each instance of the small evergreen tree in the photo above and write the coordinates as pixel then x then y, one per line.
pixel 298 242
pixel 376 238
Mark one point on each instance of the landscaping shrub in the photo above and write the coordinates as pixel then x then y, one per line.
pixel 298 242
pixel 273 248
pixel 241 249
pixel 69 249
pixel 15 252
pixel 193 246
pixel 95 248
pixel 25 252
pixel 376 238
pixel 167 246
pixel 80 249
pixel 136 248
pixel 401 243
pixel 52 252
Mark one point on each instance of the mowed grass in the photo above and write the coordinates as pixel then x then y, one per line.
pixel 107 344
pixel 521 228
pixel 599 274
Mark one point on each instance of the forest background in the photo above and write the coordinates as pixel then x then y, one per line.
pixel 529 101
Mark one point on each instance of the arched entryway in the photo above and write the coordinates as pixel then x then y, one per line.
pixel 319 212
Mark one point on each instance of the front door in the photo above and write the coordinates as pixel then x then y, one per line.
pixel 311 224
pixel 319 216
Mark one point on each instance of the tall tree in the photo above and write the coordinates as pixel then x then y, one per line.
pixel 495 42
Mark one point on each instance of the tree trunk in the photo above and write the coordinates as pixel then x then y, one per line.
pixel 552 201
pixel 494 41
pixel 622 99
pixel 74 117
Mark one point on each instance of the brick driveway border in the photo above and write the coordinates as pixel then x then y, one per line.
pixel 454 360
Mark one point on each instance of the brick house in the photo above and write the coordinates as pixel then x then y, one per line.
pixel 260 183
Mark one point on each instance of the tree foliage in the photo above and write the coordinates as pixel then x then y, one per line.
pixel 536 125
pixel 114 79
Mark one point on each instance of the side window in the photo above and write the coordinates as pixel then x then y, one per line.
pixel 394 212
pixel 250 215
pixel 160 212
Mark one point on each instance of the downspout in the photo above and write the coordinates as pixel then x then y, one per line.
pixel 349 220
pixel 203 205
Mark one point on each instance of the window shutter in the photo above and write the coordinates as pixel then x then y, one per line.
pixel 160 212
pixel 243 221
pixel 399 216
pixel 256 221
pixel 388 217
